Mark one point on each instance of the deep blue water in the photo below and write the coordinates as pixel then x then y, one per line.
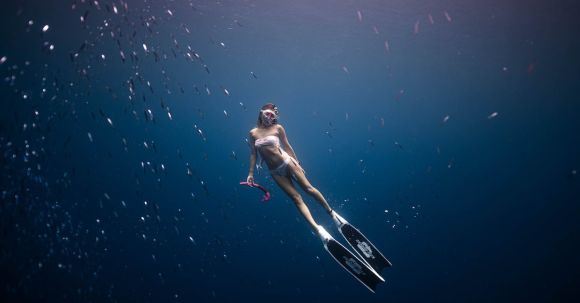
pixel 452 143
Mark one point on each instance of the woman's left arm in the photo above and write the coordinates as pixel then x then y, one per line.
pixel 285 143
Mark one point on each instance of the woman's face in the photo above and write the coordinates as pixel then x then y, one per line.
pixel 269 117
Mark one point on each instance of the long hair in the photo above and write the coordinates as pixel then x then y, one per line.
pixel 270 106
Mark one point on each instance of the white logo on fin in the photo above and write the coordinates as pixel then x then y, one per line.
pixel 353 264
pixel 365 248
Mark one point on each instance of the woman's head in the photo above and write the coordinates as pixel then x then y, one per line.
pixel 268 115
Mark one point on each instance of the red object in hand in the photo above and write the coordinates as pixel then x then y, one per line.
pixel 266 192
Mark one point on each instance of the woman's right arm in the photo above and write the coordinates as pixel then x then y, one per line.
pixel 251 140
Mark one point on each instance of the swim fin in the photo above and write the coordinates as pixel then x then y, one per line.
pixel 364 248
pixel 349 261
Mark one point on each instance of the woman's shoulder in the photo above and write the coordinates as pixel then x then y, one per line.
pixel 280 128
pixel 253 132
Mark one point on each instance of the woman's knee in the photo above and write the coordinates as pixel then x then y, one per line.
pixel 311 190
pixel 296 198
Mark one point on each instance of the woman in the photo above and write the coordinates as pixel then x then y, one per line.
pixel 269 139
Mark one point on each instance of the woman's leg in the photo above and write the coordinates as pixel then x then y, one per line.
pixel 306 186
pixel 286 184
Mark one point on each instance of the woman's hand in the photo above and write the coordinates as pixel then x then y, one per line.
pixel 250 179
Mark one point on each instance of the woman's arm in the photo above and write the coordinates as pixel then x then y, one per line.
pixel 285 143
pixel 252 156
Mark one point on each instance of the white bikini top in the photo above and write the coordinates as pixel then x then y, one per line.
pixel 267 140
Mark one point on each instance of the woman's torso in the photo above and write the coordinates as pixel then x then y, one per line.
pixel 267 143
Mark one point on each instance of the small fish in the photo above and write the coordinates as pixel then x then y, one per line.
pixel 416 27
pixel 431 19
pixel 359 15
pixel 387 48
pixel 150 87
pixel 492 115
pixel 148 115
pixel 400 94
pixel 45 28
pixel 447 16
pixel 251 73
pixel 446 118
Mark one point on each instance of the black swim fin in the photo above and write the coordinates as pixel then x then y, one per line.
pixel 349 261
pixel 364 248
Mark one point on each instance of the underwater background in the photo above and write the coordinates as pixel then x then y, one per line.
pixel 446 131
